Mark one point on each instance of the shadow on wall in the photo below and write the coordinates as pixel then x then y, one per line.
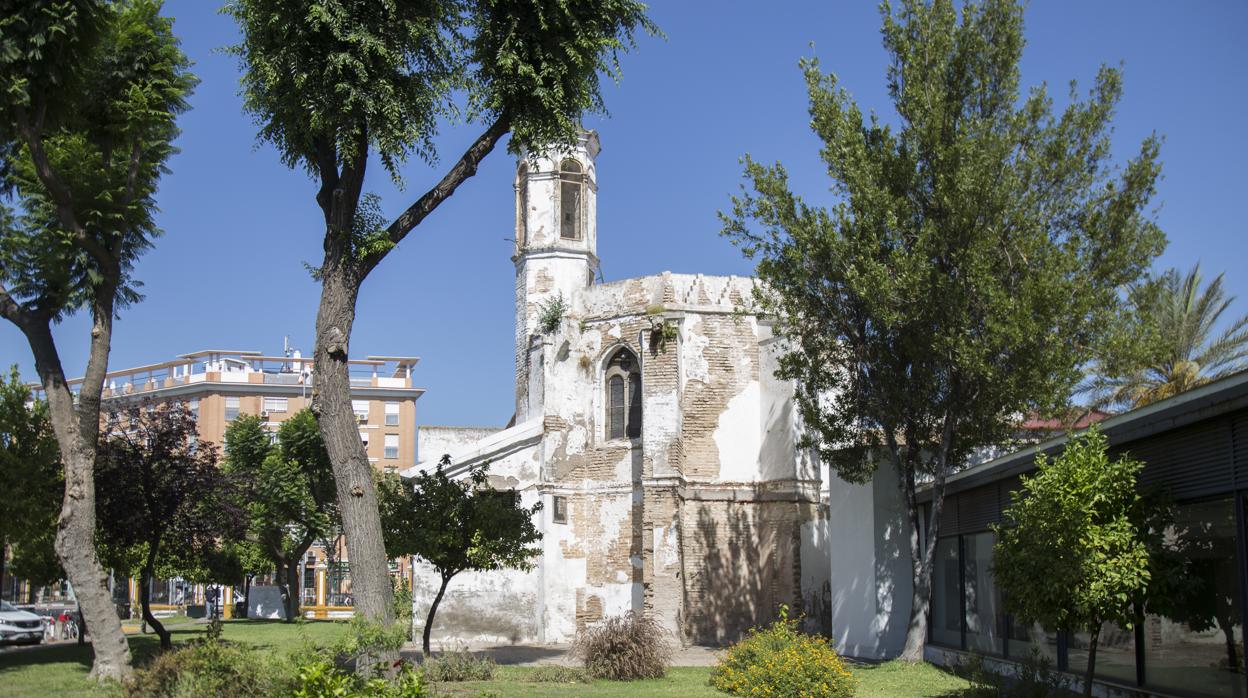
pixel 745 571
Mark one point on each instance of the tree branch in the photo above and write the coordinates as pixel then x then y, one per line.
pixel 13 311
pixel 463 169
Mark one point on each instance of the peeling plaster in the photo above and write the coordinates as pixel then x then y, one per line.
pixel 738 438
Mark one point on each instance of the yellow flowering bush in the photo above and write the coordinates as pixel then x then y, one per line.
pixel 784 662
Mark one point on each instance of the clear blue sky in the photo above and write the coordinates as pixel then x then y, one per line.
pixel 228 273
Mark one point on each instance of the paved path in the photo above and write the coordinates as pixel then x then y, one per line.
pixel 536 655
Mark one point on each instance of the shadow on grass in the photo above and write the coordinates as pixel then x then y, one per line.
pixel 145 647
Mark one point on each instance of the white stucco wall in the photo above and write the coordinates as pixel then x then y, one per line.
pixel 870 573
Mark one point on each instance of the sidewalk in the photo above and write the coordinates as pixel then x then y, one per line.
pixel 537 655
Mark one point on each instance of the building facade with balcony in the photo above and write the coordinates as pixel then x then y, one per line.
pixel 220 385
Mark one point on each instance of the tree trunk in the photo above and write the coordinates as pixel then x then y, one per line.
pixel 145 594
pixel 246 594
pixel 4 559
pixel 1232 658
pixel 294 589
pixel 76 430
pixel 1094 635
pixel 922 554
pixel 433 609
pixel 353 475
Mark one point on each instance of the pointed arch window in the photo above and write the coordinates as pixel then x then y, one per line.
pixel 622 385
pixel 570 199
pixel 522 204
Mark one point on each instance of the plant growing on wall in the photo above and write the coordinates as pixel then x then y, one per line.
pixel 1071 553
pixel 550 313
pixel 457 525
pixel 662 332
pixel 969 262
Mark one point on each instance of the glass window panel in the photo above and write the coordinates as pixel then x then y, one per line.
pixel 1026 639
pixel 985 618
pixel 570 208
pixel 946 599
pixel 1115 654
pixel 392 446
pixel 392 414
pixel 634 406
pixel 615 408
pixel 1197 646
pixel 231 409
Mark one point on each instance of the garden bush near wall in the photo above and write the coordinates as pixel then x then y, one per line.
pixel 624 648
pixel 780 660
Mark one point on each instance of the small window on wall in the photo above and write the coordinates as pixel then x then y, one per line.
pixel 275 404
pixel 231 409
pixel 364 439
pixel 392 414
pixel 559 509
pixel 193 406
pixel 360 407
pixel 392 446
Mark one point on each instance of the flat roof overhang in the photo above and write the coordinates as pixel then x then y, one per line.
pixel 1211 400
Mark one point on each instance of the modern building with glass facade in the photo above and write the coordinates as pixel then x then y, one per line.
pixel 1194 448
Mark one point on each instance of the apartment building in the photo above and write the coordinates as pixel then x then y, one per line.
pixel 220 385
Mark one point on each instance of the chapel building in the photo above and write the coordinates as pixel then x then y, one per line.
pixel 650 424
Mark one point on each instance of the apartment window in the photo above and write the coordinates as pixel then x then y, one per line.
pixel 392 446
pixel 364 440
pixel 231 409
pixel 193 406
pixel 361 409
pixel 275 404
pixel 273 437
pixel 392 414
pixel 559 509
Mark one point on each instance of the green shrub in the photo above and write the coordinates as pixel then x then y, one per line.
pixel 321 678
pixel 624 648
pixel 209 669
pixel 556 673
pixel 780 660
pixel 459 665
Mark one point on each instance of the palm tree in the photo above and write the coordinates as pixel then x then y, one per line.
pixel 1188 355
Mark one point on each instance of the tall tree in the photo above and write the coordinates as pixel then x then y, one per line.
pixel 163 502
pixel 90 90
pixel 456 525
pixel 291 494
pixel 30 478
pixel 1071 553
pixel 970 259
pixel 331 81
pixel 1187 350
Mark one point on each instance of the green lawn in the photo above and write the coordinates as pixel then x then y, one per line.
pixel 62 670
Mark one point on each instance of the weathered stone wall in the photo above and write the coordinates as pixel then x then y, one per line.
pixel 434 441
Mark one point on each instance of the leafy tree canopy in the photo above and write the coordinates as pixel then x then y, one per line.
pixel 163 502
pixel 86 129
pixel 1072 553
pixel 457 524
pixel 970 260
pixel 32 483
pixel 1182 345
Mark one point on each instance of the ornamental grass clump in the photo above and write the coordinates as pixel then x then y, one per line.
pixel 780 660
pixel 624 648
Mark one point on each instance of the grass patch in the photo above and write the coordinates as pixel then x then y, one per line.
pixel 61 670
pixel 906 680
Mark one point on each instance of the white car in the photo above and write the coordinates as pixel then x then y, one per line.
pixel 19 627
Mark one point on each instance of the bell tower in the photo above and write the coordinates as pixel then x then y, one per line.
pixel 556 249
